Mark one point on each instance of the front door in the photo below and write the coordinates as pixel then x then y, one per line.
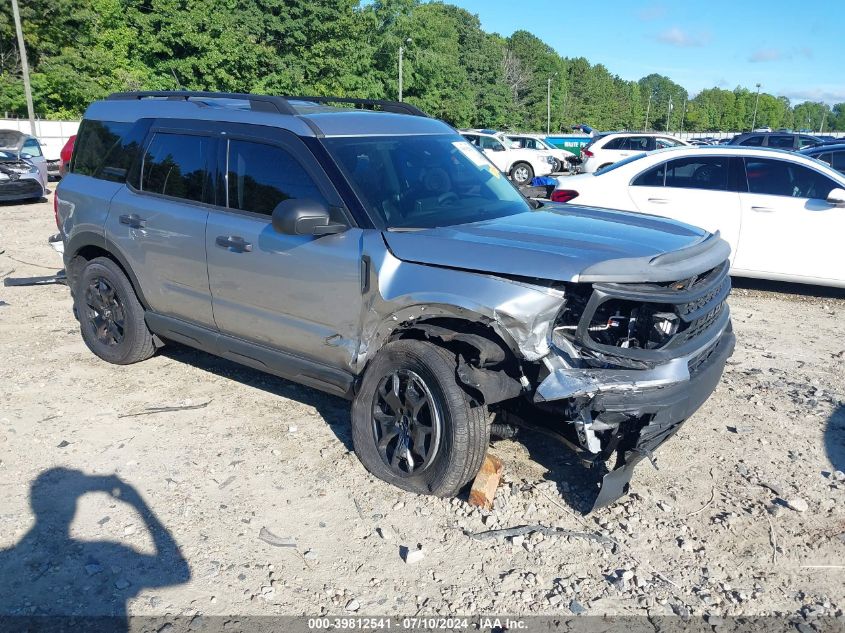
pixel 300 294
pixel 788 227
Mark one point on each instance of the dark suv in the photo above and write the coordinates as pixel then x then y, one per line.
pixel 777 140
pixel 380 257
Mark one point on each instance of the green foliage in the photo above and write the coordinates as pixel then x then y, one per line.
pixel 81 50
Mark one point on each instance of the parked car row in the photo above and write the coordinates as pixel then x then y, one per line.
pixel 781 212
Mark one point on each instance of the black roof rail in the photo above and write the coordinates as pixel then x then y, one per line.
pixel 397 107
pixel 259 103
pixel 270 103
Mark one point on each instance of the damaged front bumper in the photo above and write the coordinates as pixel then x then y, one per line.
pixel 632 412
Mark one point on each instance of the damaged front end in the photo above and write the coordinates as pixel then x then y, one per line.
pixel 631 362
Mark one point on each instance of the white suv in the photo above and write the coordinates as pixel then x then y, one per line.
pixel 608 148
pixel 563 158
pixel 522 165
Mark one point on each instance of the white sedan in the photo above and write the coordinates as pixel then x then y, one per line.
pixel 782 213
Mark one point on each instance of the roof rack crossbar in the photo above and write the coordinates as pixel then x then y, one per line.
pixel 259 103
pixel 397 107
pixel 270 103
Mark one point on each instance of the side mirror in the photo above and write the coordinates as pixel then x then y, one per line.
pixel 26 156
pixel 304 216
pixel 836 197
pixel 498 148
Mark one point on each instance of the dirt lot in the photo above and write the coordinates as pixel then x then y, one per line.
pixel 710 532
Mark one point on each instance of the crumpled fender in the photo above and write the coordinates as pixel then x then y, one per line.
pixel 520 313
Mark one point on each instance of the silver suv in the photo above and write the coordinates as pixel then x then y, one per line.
pixel 379 256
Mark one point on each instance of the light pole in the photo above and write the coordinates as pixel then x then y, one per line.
pixel 401 57
pixel 647 111
pixel 549 104
pixel 824 116
pixel 683 115
pixel 24 67
pixel 756 100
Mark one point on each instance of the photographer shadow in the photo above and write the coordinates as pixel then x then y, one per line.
pixel 52 578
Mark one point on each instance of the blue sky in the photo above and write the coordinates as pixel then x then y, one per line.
pixel 796 49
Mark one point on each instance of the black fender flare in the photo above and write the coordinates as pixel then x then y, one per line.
pixel 79 241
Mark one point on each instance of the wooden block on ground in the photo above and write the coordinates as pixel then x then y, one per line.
pixel 486 481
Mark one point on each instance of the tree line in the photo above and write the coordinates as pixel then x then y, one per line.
pixel 81 50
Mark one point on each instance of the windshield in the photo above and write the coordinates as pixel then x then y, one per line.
pixel 425 181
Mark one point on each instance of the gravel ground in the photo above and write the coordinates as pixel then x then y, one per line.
pixel 189 511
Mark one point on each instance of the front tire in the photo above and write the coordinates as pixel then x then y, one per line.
pixel 111 319
pixel 413 426
pixel 522 174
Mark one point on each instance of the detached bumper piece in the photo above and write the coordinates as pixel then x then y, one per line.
pixel 651 355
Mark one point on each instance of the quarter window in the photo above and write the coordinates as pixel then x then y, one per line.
pixel 260 176
pixel 95 141
pixel 654 177
pixel 176 165
pixel 698 173
pixel 663 143
pixel 782 178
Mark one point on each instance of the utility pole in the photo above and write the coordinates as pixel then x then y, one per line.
pixel 647 110
pixel 401 52
pixel 756 100
pixel 24 67
pixel 549 104
pixel 824 116
pixel 669 113
pixel 683 115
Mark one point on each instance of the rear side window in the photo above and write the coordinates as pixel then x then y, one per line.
pixel 804 141
pixel 753 141
pixel 782 178
pixel 176 165
pixel 94 142
pixel 260 176
pixel 698 173
pixel 614 143
pixel 838 161
pixel 782 141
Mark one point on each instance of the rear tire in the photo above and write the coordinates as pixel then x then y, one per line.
pixel 522 174
pixel 446 458
pixel 111 319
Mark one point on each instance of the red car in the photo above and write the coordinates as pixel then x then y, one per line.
pixel 64 155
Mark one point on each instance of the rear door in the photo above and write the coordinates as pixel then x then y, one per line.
pixel 698 190
pixel 788 228
pixel 158 220
pixel 296 293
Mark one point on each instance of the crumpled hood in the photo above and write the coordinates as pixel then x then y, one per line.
pixel 567 243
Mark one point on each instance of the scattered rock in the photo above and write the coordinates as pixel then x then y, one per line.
pixel 62 444
pixel 411 556
pixel 577 608
pixel 353 605
pixel 121 583
pixel 93 568
pixel 310 554
pixel 276 541
pixel 797 504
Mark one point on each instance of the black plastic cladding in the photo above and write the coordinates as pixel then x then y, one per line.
pixel 700 304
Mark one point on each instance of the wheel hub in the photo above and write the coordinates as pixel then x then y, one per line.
pixel 406 423
pixel 105 315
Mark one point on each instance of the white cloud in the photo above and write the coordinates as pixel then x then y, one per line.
pixel 762 55
pixel 652 12
pixel 676 36
pixel 828 94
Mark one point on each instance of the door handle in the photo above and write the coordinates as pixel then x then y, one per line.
pixel 659 200
pixel 234 242
pixel 762 209
pixel 133 221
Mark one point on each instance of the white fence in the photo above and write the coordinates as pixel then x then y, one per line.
pixel 52 134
